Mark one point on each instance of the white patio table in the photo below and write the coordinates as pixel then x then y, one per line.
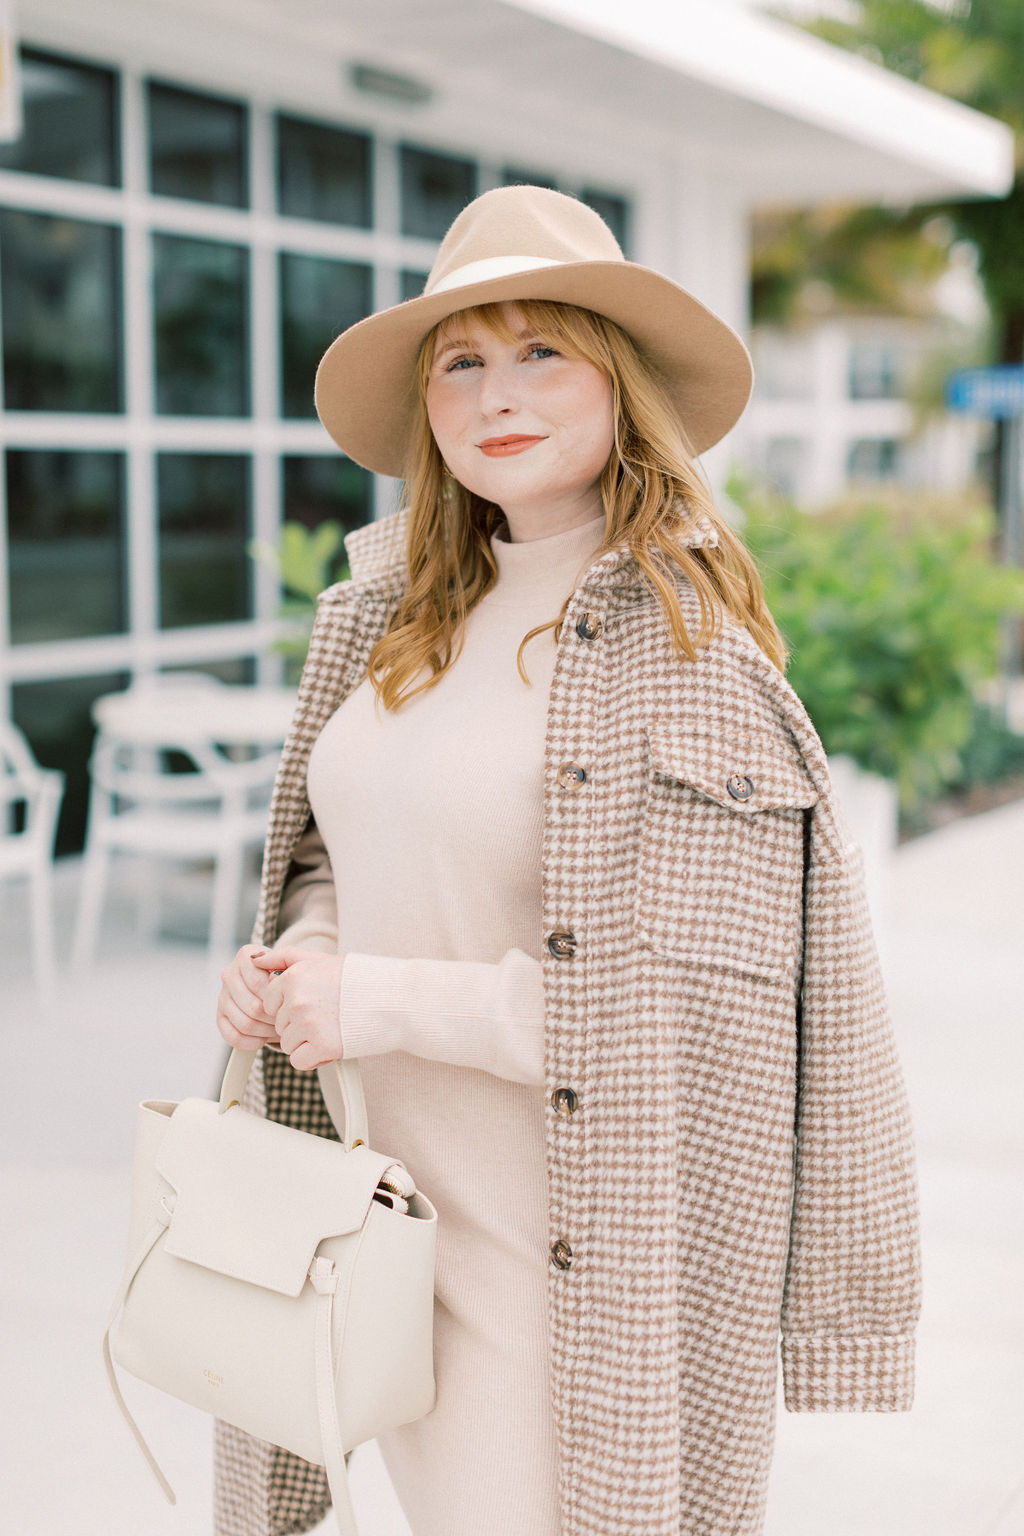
pixel 233 716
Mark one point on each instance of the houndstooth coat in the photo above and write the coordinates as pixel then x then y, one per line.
pixel 740 1165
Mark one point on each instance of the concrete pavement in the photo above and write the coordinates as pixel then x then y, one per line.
pixel 138 1025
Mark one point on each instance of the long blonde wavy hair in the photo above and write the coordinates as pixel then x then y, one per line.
pixel 652 492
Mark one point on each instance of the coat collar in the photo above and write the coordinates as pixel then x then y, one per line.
pixel 376 554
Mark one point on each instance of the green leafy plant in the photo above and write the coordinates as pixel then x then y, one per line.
pixel 891 608
pixel 306 561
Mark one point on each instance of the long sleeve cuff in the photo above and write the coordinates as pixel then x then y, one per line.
pixel 465 1013
pixel 839 1373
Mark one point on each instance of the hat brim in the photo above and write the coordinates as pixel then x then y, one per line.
pixel 366 388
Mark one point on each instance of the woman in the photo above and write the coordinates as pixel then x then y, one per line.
pixel 555 855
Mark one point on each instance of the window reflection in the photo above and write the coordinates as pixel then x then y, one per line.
pixel 410 284
pixel 513 177
pixel 434 189
pixel 198 146
pixel 614 210
pixel 236 670
pixel 323 172
pixel 324 487
pixel 70 121
pixel 61 301
pixel 203 515
pixel 319 298
pixel 200 316
pixel 65 517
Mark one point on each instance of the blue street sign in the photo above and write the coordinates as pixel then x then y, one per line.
pixel 997 393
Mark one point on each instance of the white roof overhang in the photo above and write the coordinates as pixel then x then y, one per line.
pixel 782 116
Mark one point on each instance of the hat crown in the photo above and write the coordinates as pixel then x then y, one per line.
pixel 531 225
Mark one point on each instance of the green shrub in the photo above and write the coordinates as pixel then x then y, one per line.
pixel 306 561
pixel 891 609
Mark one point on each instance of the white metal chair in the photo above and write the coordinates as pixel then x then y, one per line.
pixel 30 798
pixel 172 800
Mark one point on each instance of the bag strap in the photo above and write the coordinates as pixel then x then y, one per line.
pixel 340 1084
pixel 131 1270
pixel 323 1275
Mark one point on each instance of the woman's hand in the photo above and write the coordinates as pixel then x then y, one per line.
pixel 304 1001
pixel 242 1018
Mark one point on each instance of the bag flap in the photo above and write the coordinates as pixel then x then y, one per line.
pixel 766 774
pixel 254 1198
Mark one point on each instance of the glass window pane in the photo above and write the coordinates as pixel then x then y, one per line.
pixel 325 487
pixel 65 516
pixel 323 173
pixel 614 210
pixel 410 284
pixel 61 300
pixel 203 516
pixel 56 717
pixel 200 314
pixel 518 178
pixel 873 458
pixel 875 371
pixel 319 298
pixel 238 669
pixel 434 189
pixel 198 146
pixel 70 121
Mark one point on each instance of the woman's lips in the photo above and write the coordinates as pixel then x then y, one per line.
pixel 504 447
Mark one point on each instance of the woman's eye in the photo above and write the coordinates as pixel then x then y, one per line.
pixel 461 363
pixel 540 350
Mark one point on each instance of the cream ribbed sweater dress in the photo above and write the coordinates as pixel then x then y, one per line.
pixel 432 818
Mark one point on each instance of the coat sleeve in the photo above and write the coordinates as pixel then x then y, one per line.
pixel 852 1290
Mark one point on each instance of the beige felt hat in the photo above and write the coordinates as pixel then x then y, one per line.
pixel 528 243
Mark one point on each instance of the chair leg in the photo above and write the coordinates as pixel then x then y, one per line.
pixel 44 957
pixel 146 879
pixel 227 892
pixel 90 905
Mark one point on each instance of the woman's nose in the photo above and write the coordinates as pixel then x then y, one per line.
pixel 497 395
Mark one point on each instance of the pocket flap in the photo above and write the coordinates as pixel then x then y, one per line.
pixel 767 775
pixel 253 1198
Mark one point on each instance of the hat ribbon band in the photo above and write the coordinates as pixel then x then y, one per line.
pixel 490 266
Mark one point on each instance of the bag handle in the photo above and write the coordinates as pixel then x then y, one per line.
pixel 340 1084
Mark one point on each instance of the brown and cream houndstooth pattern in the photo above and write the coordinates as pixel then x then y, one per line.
pixel 724 992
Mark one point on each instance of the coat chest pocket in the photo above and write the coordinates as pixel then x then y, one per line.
pixel 720 878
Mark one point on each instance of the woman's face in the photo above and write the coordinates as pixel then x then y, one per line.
pixel 521 424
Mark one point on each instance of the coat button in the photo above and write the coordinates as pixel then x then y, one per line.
pixel 565 1102
pixel 562 944
pixel 740 787
pixel 588 626
pixel 571 775
pixel 561 1254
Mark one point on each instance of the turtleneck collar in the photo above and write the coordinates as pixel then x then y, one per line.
pixel 547 568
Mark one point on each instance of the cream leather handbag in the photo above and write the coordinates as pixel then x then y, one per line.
pixel 275 1279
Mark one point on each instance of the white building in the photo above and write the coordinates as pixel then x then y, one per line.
pixel 207 190
pixel 834 410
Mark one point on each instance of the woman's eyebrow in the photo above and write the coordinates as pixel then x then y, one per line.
pixel 453 346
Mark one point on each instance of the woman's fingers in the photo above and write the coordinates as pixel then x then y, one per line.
pixel 278 959
pixel 240 1031
pixel 245 985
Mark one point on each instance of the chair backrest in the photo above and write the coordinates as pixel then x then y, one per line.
pixel 29 795
pixel 20 770
pixel 175 775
